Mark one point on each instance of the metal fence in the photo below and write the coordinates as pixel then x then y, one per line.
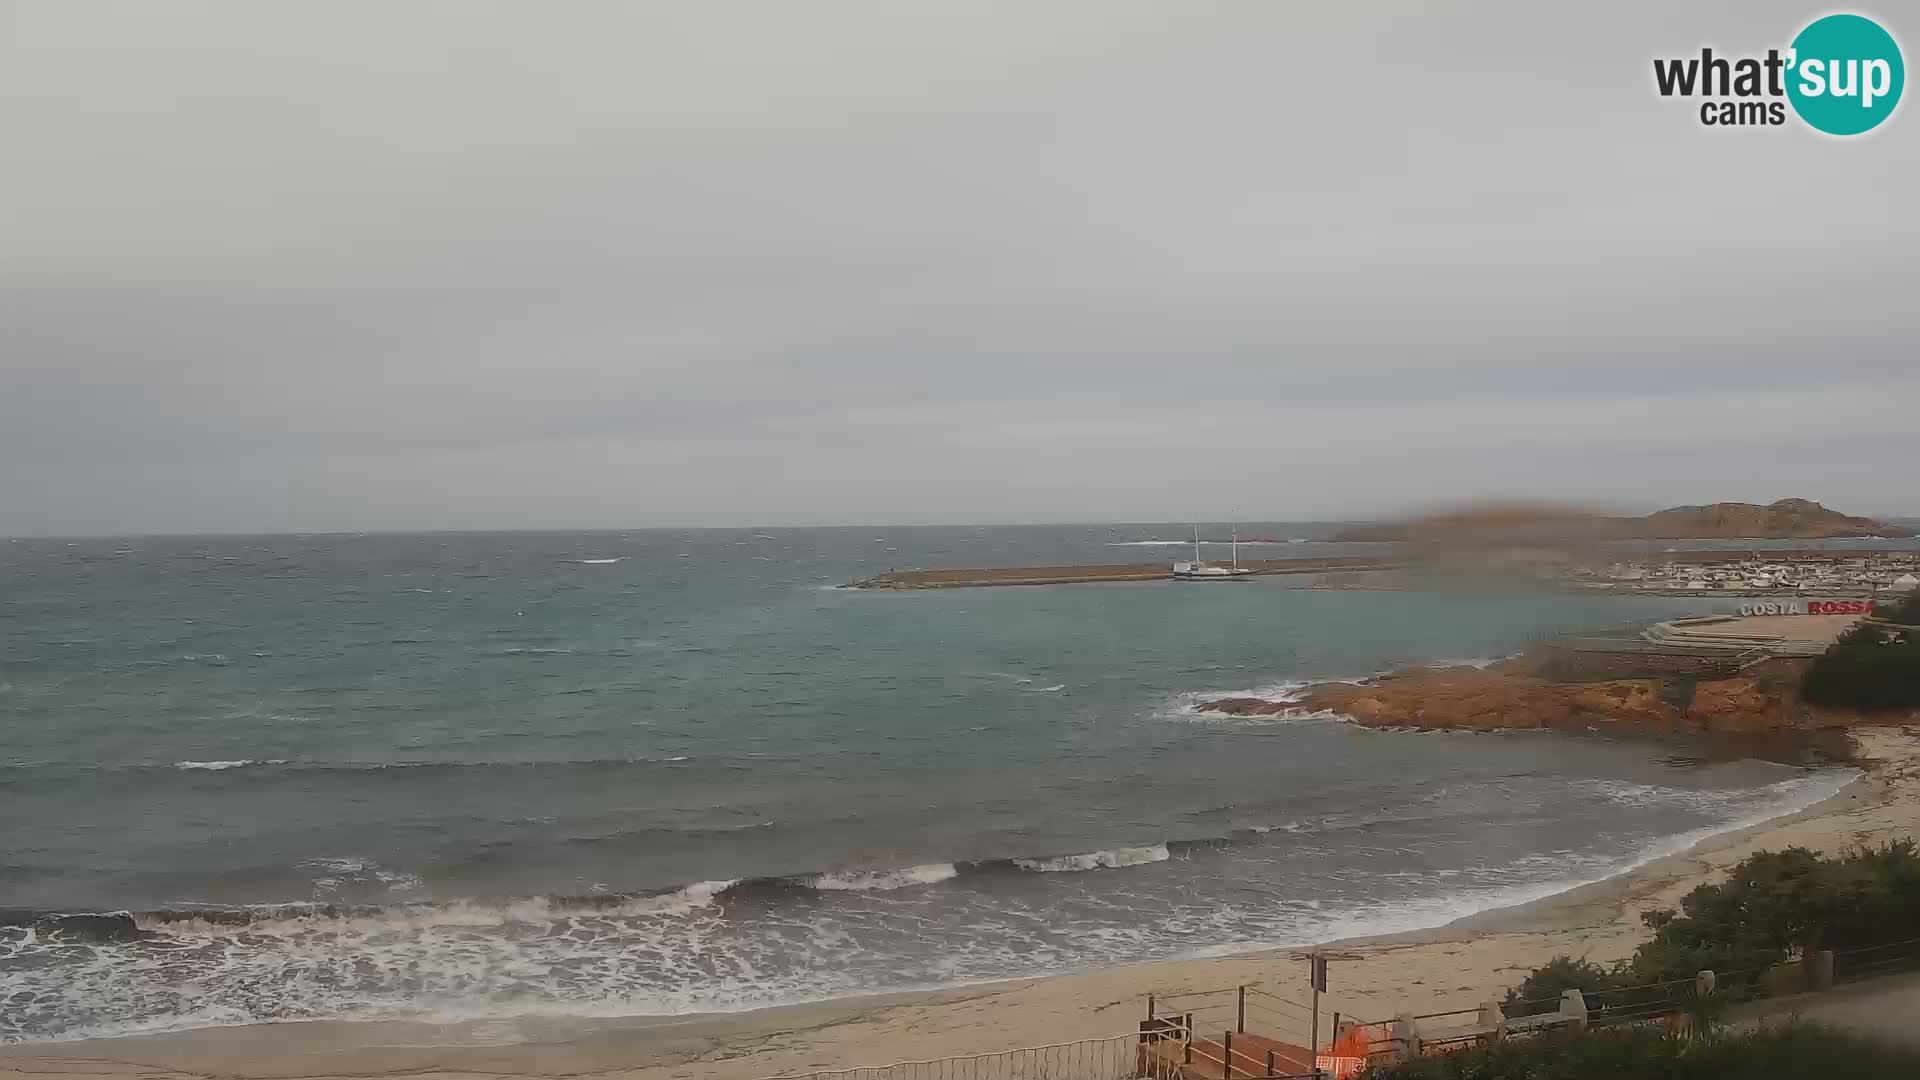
pixel 1889 959
pixel 1243 1008
pixel 1116 1058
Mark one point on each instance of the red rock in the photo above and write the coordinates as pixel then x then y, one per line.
pixel 1739 704
pixel 1511 696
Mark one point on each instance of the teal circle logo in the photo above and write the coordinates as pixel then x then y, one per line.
pixel 1845 74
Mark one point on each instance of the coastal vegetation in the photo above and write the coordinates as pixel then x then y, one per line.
pixel 1873 667
pixel 1773 907
pixel 1787 1052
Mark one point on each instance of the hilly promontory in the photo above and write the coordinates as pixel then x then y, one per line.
pixel 1782 520
pixel 1785 519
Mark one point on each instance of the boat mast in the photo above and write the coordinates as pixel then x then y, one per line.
pixel 1196 545
pixel 1236 547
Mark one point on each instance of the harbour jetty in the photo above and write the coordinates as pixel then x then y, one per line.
pixel 974 577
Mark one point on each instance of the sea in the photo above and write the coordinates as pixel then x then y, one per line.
pixel 654 773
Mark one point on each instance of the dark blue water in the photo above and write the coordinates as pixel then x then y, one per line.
pixel 497 774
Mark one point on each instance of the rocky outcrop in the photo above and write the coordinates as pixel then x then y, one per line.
pixel 1511 696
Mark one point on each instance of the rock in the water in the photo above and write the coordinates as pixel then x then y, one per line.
pixel 1248 706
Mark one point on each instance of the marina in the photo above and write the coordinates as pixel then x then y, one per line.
pixel 1803 573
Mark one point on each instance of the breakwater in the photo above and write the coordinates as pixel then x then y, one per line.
pixel 977 577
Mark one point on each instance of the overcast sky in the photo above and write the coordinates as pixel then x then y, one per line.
pixel 472 265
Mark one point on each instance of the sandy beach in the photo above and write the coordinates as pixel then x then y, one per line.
pixel 1455 966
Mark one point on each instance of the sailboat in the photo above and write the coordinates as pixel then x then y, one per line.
pixel 1200 570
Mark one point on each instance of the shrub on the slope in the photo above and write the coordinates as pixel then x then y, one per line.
pixel 1773 906
pixel 1793 1052
pixel 1871 668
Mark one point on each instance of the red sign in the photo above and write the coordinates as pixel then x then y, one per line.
pixel 1839 607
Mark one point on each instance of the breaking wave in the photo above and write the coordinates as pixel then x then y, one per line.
pixel 539 909
pixel 885 880
pixel 1115 859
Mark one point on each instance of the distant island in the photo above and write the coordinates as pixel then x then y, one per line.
pixel 1786 519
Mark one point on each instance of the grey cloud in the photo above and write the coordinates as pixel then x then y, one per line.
pixel 477 265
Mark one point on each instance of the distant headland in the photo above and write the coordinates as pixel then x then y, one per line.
pixel 1786 519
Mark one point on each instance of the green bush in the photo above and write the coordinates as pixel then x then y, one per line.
pixel 1540 992
pixel 1870 668
pixel 1790 1052
pixel 1773 906
pixel 1906 612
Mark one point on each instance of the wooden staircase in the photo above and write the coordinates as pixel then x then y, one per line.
pixel 1233 1056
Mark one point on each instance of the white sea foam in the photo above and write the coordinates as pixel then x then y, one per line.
pixel 600 562
pixel 399 882
pixel 1097 860
pixel 1632 794
pixel 677 954
pixel 1190 706
pixel 1288 827
pixel 1471 661
pixel 221 766
pixel 302 919
pixel 1054 689
pixel 1786 797
pixel 885 880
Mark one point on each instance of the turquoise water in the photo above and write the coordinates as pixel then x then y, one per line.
pixel 496 774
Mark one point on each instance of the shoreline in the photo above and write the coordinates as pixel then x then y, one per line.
pixel 1454 965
